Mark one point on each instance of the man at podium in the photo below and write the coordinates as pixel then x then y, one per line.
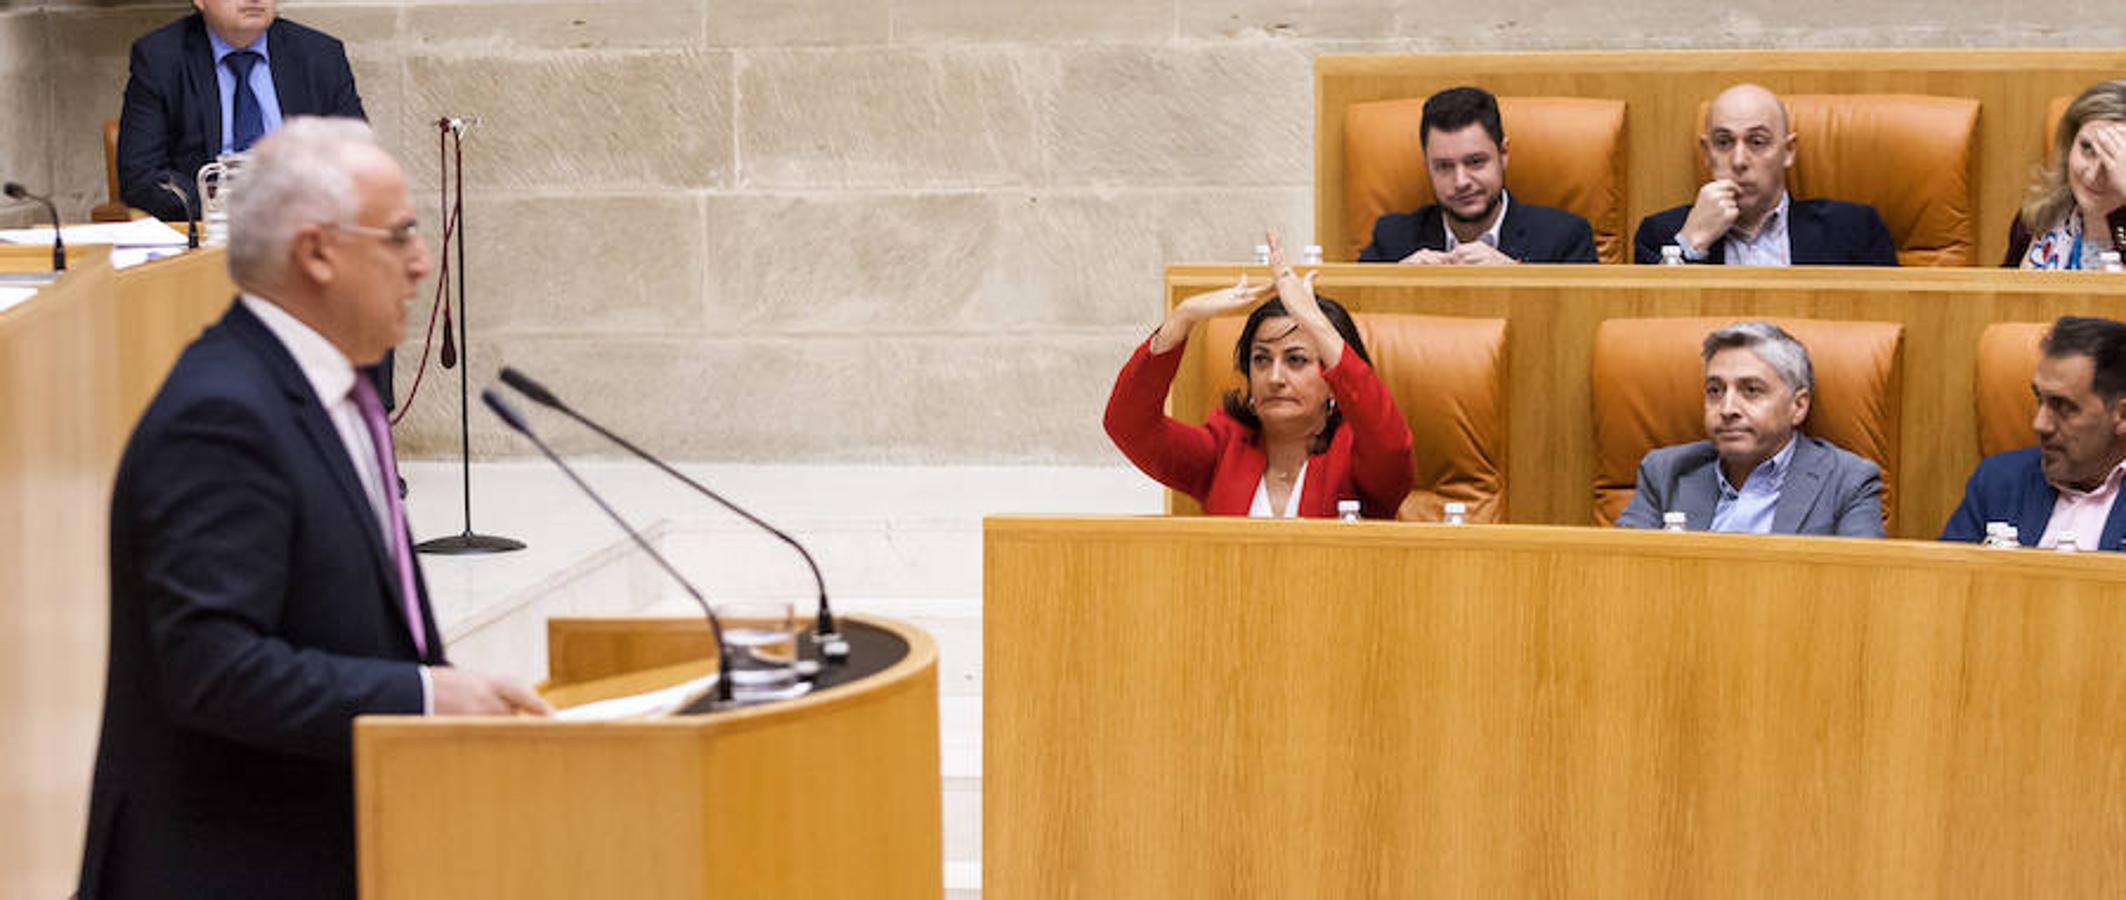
pixel 264 591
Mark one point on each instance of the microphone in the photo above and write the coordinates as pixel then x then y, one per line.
pixel 16 191
pixel 169 183
pixel 515 421
pixel 824 635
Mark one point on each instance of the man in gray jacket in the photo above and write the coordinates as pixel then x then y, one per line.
pixel 1757 473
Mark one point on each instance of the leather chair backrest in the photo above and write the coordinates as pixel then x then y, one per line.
pixel 1448 377
pixel 2007 355
pixel 1649 392
pixel 1564 152
pixel 1911 157
pixel 114 209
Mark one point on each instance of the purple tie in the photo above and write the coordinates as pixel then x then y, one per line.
pixel 372 408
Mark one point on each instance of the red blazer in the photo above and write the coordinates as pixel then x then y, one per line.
pixel 1220 463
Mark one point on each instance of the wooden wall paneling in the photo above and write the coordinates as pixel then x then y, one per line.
pixel 1183 708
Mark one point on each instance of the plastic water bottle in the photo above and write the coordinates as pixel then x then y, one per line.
pixel 1262 254
pixel 1675 520
pixel 1457 513
pixel 1672 255
pixel 1311 255
pixel 2069 543
pixel 1347 510
pixel 2109 261
pixel 2002 536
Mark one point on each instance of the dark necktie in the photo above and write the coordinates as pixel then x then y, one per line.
pixel 247 123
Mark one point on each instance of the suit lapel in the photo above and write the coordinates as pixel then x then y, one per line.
pixel 289 85
pixel 1804 234
pixel 201 81
pixel 1698 491
pixel 1802 486
pixel 2038 500
pixel 330 452
pixel 1432 228
pixel 1513 232
pixel 2114 527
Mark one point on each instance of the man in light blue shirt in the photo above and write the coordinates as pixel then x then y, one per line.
pixel 258 78
pixel 1757 473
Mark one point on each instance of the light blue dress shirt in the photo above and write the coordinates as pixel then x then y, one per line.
pixel 269 101
pixel 1749 510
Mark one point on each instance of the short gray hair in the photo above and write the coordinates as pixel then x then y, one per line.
pixel 298 175
pixel 1772 344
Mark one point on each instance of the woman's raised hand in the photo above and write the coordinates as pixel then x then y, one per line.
pixel 1298 296
pixel 1207 305
pixel 2108 139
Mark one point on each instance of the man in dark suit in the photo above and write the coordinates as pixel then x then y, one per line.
pixel 1474 221
pixel 184 104
pixel 1744 216
pixel 2067 486
pixel 263 587
pixel 1757 473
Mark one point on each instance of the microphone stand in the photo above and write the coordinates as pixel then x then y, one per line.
pixel 467 542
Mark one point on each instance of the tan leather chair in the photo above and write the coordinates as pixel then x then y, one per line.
pixel 2054 112
pixel 2007 356
pixel 1649 392
pixel 1912 157
pixel 115 210
pixel 1566 152
pixel 1448 377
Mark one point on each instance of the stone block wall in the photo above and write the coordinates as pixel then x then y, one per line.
pixel 910 231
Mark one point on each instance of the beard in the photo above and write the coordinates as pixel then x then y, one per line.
pixel 1481 216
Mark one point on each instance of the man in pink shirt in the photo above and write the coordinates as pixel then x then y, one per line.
pixel 2065 488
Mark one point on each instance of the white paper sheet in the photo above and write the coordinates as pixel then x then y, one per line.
pixel 664 701
pixel 136 233
pixel 9 295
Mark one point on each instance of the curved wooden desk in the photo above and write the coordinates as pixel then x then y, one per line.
pixel 831 795
pixel 78 363
pixel 1224 708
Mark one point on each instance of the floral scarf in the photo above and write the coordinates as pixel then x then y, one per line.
pixel 2060 247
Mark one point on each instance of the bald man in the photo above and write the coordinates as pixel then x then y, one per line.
pixel 1744 216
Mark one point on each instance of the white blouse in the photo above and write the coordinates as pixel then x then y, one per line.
pixel 1260 509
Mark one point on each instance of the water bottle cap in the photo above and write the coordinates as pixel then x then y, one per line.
pixel 1347 506
pixel 1457 509
pixel 1675 517
pixel 1993 528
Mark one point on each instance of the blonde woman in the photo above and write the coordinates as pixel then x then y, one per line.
pixel 2074 213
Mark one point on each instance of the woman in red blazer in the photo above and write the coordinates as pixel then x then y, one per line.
pixel 1316 425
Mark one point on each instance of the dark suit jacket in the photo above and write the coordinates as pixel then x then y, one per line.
pixel 1818 233
pixel 1827 490
pixel 171 122
pixel 254 614
pixel 2011 487
pixel 1530 234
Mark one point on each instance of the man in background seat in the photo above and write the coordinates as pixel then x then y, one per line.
pixel 1473 221
pixel 1756 473
pixel 1744 216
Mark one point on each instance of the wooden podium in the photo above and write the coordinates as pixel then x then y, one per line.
pixel 835 794
pixel 1181 708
